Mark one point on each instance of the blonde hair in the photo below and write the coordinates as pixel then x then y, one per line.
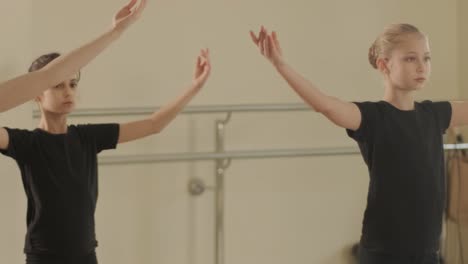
pixel 391 37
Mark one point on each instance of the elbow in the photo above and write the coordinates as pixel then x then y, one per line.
pixel 322 105
pixel 316 107
pixel 326 106
pixel 5 105
pixel 156 127
pixel 157 130
pixel 323 109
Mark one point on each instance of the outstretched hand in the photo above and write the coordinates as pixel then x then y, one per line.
pixel 268 45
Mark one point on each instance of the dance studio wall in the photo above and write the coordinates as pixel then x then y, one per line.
pixel 463 52
pixel 295 210
pixel 457 235
pixel 15 46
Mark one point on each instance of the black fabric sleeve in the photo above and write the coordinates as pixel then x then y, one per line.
pixel 104 136
pixel 443 113
pixel 19 144
pixel 368 120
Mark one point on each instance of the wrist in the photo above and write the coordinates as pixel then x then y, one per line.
pixel 195 87
pixel 115 33
pixel 280 65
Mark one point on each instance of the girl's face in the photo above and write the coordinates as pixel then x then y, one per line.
pixel 409 64
pixel 61 98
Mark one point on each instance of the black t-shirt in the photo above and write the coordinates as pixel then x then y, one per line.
pixel 404 153
pixel 59 173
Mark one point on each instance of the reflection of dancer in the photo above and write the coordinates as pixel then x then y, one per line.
pixel 58 162
pixel 58 165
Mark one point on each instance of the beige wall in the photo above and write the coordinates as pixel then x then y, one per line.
pixel 457 235
pixel 463 56
pixel 298 210
pixel 15 52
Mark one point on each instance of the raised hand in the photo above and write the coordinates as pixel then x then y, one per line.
pixel 202 69
pixel 128 15
pixel 268 45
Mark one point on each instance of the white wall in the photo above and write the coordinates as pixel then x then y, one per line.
pixel 298 210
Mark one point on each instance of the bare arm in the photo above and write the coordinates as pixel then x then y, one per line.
pixel 161 118
pixel 4 139
pixel 25 87
pixel 342 113
pixel 459 113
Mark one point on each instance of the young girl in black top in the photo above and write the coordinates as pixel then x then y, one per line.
pixel 400 140
pixel 58 164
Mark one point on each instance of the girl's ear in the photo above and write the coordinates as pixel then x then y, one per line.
pixel 38 98
pixel 382 65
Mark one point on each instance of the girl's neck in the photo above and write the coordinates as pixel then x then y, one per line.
pixel 403 100
pixel 53 123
